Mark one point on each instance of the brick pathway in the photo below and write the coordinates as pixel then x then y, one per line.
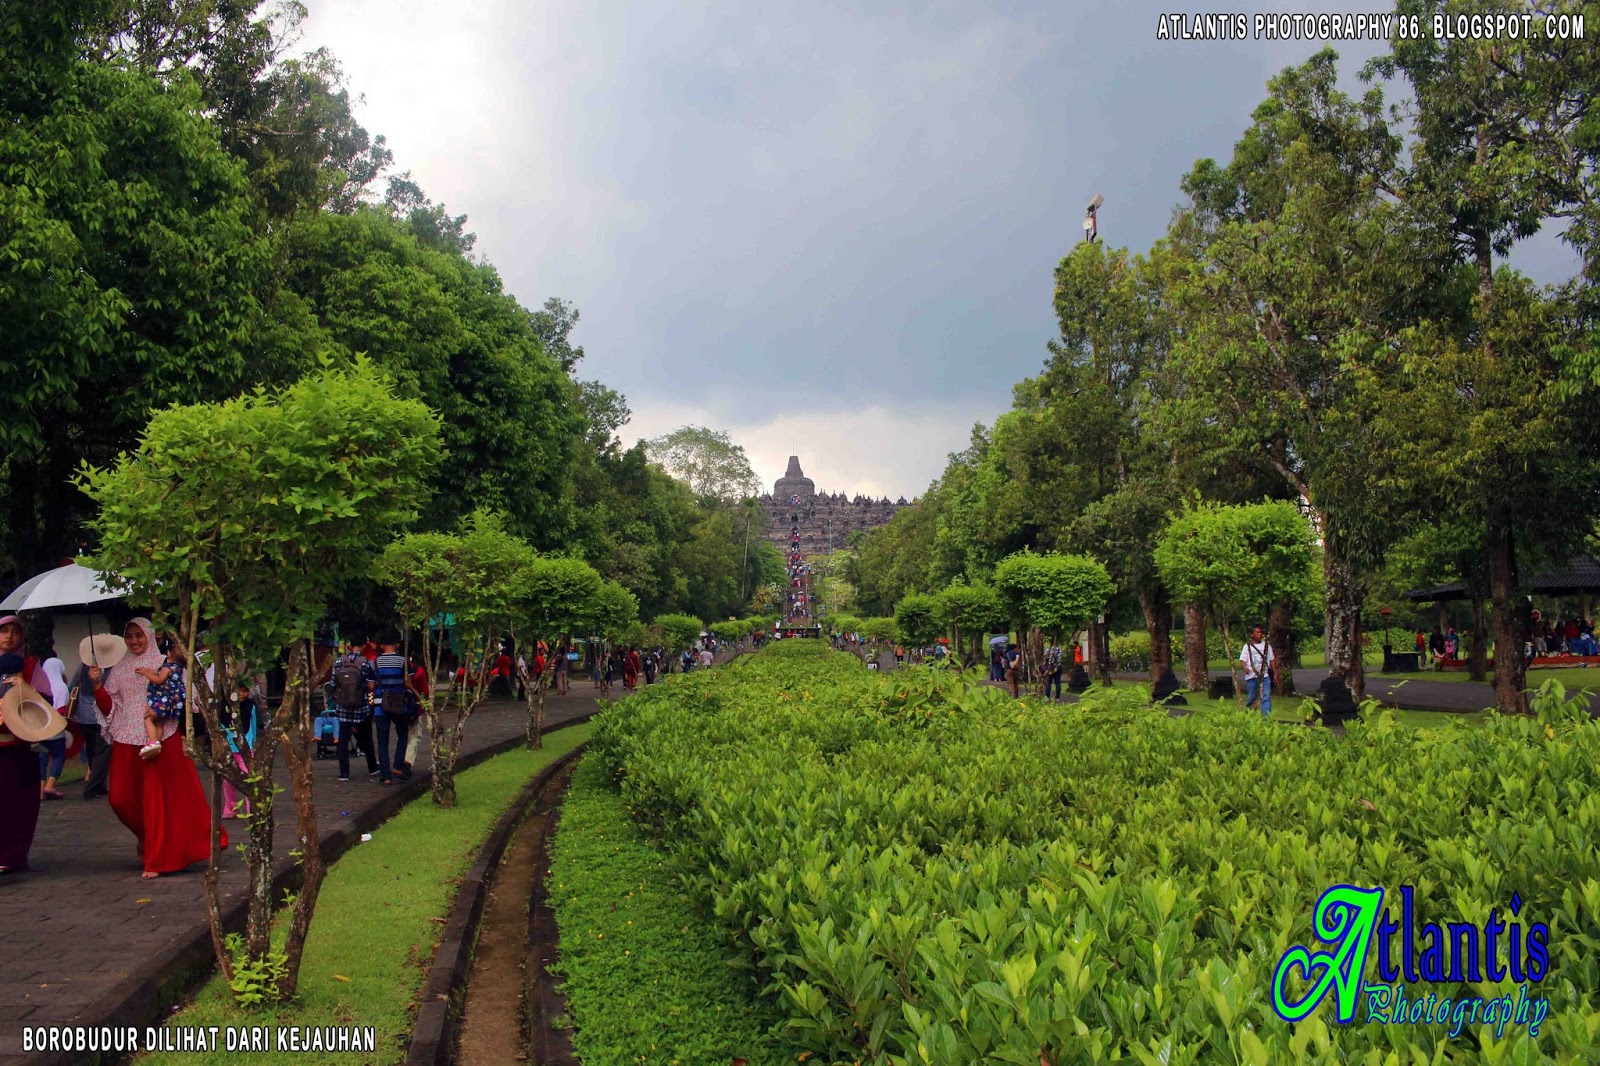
pixel 85 941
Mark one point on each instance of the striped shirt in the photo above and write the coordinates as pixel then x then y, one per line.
pixel 390 669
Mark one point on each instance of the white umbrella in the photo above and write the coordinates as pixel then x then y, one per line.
pixel 65 586
pixel 997 642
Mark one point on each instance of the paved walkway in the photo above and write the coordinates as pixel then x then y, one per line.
pixel 85 941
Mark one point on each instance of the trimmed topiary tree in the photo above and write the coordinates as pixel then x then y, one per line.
pixel 1236 562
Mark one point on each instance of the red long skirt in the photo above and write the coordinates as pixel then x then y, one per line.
pixel 164 805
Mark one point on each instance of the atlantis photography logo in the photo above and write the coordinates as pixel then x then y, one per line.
pixel 1350 919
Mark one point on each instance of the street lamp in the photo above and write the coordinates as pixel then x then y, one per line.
pixel 1091 227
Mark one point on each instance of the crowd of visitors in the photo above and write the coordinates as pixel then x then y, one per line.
pixel 123 710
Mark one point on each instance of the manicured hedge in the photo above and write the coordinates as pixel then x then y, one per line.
pixel 645 975
pixel 922 870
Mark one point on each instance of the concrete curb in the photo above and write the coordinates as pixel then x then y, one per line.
pixel 433 1039
pixel 144 997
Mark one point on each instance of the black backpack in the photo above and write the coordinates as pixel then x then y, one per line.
pixel 349 686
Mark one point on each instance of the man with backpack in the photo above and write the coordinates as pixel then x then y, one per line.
pixel 391 708
pixel 352 679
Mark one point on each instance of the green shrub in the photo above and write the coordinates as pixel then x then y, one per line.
pixel 646 978
pixel 920 869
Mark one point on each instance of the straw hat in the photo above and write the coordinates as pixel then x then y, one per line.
pixel 29 716
pixel 104 650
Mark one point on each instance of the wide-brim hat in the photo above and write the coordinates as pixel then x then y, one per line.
pixel 104 650
pixel 29 716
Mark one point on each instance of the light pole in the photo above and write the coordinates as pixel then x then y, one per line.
pixel 1091 223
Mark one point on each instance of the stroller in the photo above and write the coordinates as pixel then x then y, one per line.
pixel 326 728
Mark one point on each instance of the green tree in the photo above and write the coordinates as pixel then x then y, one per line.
pixel 444 326
pixel 1503 142
pixel 706 460
pixel 1237 562
pixel 237 519
pixel 892 559
pixel 128 272
pixel 917 615
pixel 681 631
pixel 1299 274
pixel 558 599
pixel 1057 594
pixel 478 576
pixel 969 611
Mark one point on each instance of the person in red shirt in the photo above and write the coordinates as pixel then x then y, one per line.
pixel 501 677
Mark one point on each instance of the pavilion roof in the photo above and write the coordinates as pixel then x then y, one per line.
pixel 1580 575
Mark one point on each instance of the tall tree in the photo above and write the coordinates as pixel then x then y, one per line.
pixel 706 460
pixel 1296 285
pixel 129 269
pixel 1502 144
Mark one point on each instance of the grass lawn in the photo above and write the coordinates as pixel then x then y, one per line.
pixel 380 913
pixel 646 973
pixel 1573 677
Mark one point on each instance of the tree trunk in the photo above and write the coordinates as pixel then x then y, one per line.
pixel 1510 618
pixel 297 751
pixel 1280 634
pixel 1478 654
pixel 1099 657
pixel 1157 606
pixel 1233 664
pixel 1195 673
pixel 1345 593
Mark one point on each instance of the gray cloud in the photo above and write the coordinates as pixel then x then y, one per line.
pixel 805 218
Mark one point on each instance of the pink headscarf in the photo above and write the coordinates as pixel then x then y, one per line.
pixel 130 693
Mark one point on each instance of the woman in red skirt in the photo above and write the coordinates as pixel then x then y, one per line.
pixel 159 799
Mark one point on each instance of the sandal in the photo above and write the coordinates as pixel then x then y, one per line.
pixel 150 752
pixel 148 876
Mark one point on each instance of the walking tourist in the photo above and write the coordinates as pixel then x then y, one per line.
pixel 563 670
pixel 353 678
pixel 90 722
pixel 390 710
pixel 239 728
pixel 1052 671
pixel 160 800
pixel 19 768
pixel 1260 670
pixel 53 759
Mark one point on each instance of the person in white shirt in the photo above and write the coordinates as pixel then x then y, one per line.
pixel 1260 671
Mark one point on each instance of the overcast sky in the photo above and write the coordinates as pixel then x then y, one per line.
pixel 829 229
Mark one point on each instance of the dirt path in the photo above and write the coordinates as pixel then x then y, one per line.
pixel 494 1027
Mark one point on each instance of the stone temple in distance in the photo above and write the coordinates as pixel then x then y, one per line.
pixel 825 519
